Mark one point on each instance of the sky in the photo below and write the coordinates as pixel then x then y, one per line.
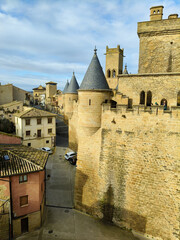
pixel 46 40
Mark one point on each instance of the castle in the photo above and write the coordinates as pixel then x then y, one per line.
pixel 125 128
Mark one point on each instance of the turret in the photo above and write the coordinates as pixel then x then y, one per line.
pixel 94 90
pixel 70 94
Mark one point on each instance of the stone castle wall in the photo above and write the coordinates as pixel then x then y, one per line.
pixel 128 171
pixel 159 47
pixel 161 85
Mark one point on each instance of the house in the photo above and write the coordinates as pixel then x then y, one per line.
pixel 22 189
pixel 39 95
pixel 36 127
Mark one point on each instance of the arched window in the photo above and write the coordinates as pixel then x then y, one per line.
pixel 142 97
pixel 113 73
pixel 149 98
pixel 178 99
pixel 164 102
pixel 108 73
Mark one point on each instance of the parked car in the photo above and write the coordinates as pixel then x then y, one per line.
pixel 70 155
pixel 73 160
pixel 46 149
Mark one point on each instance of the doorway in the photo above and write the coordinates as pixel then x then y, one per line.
pixel 24 225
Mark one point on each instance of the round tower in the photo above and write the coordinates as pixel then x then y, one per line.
pixel 94 90
pixel 70 94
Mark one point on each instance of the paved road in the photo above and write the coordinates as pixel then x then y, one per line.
pixel 61 220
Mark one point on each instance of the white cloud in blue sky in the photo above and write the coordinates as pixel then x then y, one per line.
pixel 46 40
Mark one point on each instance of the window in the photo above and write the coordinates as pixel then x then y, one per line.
pixel 49 120
pixel 89 102
pixel 23 200
pixel 23 178
pixel 113 73
pixel 178 99
pixel 142 97
pixel 28 133
pixel 27 122
pixel 108 73
pixel 47 141
pixel 39 133
pixel 17 107
pixel 29 144
pixel 39 121
pixel 149 98
pixel 49 130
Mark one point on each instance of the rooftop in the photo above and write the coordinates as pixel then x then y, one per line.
pixel 40 88
pixel 94 77
pixel 20 160
pixel 11 104
pixel 73 85
pixel 34 112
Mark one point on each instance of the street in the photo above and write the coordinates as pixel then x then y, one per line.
pixel 62 221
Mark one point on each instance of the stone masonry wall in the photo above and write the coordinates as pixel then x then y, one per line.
pixel 161 85
pixel 159 47
pixel 128 171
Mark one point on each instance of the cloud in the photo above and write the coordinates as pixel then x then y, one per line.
pixel 53 38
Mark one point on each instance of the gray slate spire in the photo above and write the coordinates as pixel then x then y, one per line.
pixel 66 87
pixel 94 77
pixel 73 86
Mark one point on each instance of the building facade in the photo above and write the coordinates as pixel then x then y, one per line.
pixel 22 189
pixel 36 127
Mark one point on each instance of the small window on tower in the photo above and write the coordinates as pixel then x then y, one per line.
pixel 113 73
pixel 89 102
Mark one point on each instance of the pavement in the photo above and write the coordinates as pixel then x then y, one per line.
pixel 62 221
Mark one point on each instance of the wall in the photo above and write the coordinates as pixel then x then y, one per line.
pixel 69 99
pixel 32 188
pixel 159 48
pixel 127 171
pixel 9 139
pixel 4 209
pixel 19 94
pixel 6 93
pixel 34 222
pixel 21 129
pixel 161 86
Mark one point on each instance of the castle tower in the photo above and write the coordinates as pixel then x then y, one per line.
pixel 51 89
pixel 94 90
pixel 114 64
pixel 159 43
pixel 70 94
pixel 66 87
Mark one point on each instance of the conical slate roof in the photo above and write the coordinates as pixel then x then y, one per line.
pixel 66 87
pixel 94 77
pixel 73 86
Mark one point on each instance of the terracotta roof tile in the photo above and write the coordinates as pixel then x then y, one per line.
pixel 34 112
pixel 22 159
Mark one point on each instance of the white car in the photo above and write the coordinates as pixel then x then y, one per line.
pixel 70 155
pixel 46 149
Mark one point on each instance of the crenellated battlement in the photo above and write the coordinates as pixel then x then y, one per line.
pixel 173 111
